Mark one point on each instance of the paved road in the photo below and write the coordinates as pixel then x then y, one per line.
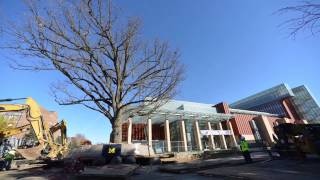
pixel 36 173
pixel 269 170
pixel 153 173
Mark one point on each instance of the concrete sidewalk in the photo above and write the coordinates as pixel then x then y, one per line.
pixel 269 170
pixel 197 165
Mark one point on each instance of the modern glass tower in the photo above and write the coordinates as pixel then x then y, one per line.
pixel 306 104
pixel 284 101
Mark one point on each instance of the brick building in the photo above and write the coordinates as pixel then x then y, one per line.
pixel 188 126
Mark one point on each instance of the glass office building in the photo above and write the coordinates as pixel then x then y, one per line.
pixel 264 97
pixel 180 126
pixel 297 103
pixel 306 104
pixel 266 101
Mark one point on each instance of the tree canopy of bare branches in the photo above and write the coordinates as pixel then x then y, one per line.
pixel 107 65
pixel 305 16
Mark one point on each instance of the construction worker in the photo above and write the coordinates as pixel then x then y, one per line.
pixel 244 147
pixel 7 153
pixel 8 158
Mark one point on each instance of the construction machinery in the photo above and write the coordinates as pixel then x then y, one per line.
pixel 44 146
pixel 297 140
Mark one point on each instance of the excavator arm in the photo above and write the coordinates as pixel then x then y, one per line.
pixel 62 126
pixel 14 131
pixel 41 130
pixel 33 115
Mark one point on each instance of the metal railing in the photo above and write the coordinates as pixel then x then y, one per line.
pixel 160 147
pixel 140 141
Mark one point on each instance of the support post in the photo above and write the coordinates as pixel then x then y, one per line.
pixel 222 138
pixel 167 134
pixel 183 135
pixel 233 138
pixel 211 138
pixel 149 133
pixel 266 129
pixel 197 134
pixel 129 138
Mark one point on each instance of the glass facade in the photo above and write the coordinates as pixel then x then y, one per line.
pixel 270 101
pixel 272 107
pixel 174 111
pixel 260 100
pixel 306 105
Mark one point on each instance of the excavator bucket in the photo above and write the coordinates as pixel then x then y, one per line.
pixel 31 153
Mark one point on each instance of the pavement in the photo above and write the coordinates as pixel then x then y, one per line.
pixel 198 165
pixel 34 172
pixel 234 168
pixel 221 168
pixel 269 170
pixel 153 173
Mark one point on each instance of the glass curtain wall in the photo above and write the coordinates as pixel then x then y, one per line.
pixel 307 106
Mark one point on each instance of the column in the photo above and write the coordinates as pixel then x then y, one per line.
pixel 129 138
pixel 149 133
pixel 211 138
pixel 167 134
pixel 222 138
pixel 233 138
pixel 183 135
pixel 197 135
pixel 265 128
pixel 284 120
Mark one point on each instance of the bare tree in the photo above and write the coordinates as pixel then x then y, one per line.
pixel 305 16
pixel 108 66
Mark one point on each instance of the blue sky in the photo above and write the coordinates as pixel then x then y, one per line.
pixel 231 49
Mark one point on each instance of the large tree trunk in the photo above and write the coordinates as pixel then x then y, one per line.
pixel 116 134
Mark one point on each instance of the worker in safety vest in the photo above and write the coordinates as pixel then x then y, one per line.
pixel 244 147
pixel 7 154
pixel 8 158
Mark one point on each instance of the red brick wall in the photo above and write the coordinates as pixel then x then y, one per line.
pixel 240 124
pixel 124 132
pixel 158 132
pixel 138 132
pixel 222 108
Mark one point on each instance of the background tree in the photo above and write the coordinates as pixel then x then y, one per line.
pixel 304 16
pixel 108 66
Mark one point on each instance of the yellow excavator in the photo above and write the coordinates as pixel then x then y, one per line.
pixel 45 147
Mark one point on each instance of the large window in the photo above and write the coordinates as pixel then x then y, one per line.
pixel 306 105
pixel 264 97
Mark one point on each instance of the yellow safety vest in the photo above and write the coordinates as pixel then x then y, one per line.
pixel 244 146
